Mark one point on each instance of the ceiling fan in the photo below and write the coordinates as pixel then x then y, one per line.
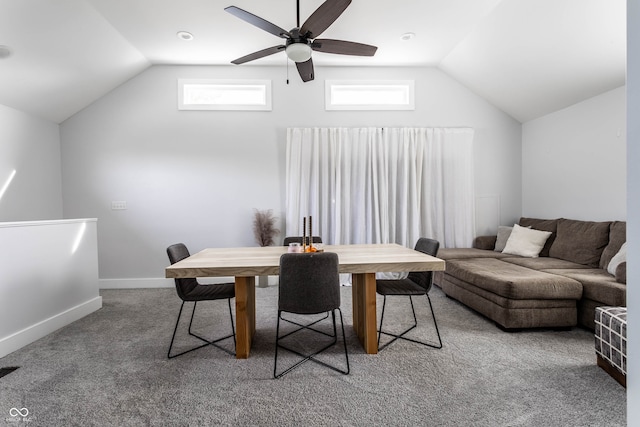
pixel 301 40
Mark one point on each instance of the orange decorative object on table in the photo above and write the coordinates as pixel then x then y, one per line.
pixel 307 245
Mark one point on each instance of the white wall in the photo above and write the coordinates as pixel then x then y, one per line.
pixel 31 147
pixel 633 211
pixel 574 161
pixel 196 176
pixel 49 278
pixel 44 285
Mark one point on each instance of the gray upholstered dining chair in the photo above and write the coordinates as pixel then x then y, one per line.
pixel 416 284
pixel 309 285
pixel 189 290
pixel 298 239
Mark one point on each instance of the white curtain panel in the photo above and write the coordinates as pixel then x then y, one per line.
pixel 381 185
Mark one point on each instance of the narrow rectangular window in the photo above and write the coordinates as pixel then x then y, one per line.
pixel 208 94
pixel 369 95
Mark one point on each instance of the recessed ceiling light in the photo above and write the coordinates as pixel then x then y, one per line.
pixel 4 52
pixel 185 35
pixel 407 36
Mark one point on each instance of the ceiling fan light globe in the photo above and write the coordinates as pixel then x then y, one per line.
pixel 298 52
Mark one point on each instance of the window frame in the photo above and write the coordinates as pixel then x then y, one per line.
pixel 330 105
pixel 264 106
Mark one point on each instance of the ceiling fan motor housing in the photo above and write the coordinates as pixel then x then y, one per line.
pixel 298 48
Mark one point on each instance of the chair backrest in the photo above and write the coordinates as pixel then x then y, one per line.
pixel 309 282
pixel 298 239
pixel 176 253
pixel 425 278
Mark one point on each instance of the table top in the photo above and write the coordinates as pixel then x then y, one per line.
pixel 257 261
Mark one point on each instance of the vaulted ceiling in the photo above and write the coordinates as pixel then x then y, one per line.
pixel 527 57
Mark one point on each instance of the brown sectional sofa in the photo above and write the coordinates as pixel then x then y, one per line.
pixel 561 288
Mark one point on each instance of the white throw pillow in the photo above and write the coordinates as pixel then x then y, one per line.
pixel 617 259
pixel 526 242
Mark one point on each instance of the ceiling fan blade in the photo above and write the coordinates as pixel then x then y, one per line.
pixel 305 69
pixel 342 47
pixel 257 21
pixel 323 17
pixel 259 54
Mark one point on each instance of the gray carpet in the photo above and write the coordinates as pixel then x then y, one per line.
pixel 111 369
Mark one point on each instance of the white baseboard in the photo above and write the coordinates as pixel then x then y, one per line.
pixel 43 328
pixel 158 282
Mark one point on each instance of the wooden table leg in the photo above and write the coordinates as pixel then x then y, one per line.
pixel 364 310
pixel 245 315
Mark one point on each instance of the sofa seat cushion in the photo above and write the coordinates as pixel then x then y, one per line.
pixel 597 285
pixel 544 263
pixel 465 253
pixel 513 281
pixel 508 303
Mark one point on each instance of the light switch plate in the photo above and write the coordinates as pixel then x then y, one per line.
pixel 118 205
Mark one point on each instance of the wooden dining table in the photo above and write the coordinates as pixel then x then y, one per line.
pixel 361 261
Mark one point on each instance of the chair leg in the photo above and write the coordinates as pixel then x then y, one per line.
pixel 174 332
pixel 308 325
pixel 206 341
pixel 193 312
pixel 380 331
pixel 275 360
pixel 307 357
pixel 344 341
pixel 433 315
pixel 415 324
pixel 384 304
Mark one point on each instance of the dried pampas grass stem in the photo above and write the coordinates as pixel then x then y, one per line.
pixel 264 227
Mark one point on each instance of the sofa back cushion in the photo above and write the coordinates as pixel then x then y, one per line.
pixel 502 237
pixel 543 225
pixel 580 241
pixel 617 236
